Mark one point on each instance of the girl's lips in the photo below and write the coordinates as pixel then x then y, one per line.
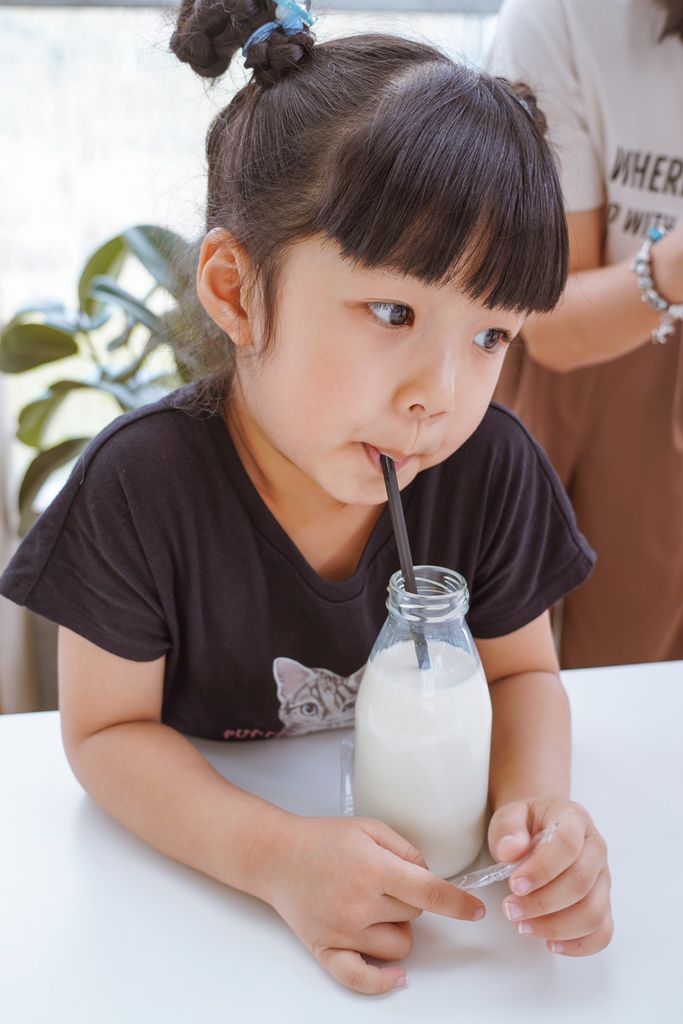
pixel 374 454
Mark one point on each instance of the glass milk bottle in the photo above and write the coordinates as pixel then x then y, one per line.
pixel 423 734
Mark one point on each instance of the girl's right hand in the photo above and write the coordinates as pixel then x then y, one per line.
pixel 351 886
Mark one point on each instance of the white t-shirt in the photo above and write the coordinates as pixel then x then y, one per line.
pixel 613 97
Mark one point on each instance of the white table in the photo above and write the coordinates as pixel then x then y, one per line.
pixel 96 928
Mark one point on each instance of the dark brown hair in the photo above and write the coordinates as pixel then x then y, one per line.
pixel 406 159
pixel 673 23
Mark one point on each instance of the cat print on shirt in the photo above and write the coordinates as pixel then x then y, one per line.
pixel 314 698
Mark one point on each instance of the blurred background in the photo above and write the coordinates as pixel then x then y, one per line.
pixel 102 129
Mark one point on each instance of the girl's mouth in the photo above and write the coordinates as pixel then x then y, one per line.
pixel 374 453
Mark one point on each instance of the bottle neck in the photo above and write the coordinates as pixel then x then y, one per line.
pixel 442 596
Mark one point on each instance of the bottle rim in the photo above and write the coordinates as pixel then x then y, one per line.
pixel 442 595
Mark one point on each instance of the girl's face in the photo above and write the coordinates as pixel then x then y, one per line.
pixel 368 361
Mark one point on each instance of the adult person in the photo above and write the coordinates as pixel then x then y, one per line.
pixel 605 402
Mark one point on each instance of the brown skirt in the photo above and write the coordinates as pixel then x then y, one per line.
pixel 614 433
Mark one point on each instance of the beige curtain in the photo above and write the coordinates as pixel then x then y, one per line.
pixel 18 677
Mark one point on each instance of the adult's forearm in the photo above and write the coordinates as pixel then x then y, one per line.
pixel 531 742
pixel 600 317
pixel 152 780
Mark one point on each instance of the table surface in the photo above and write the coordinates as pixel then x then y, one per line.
pixel 96 927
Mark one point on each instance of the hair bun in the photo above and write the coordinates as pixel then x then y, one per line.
pixel 278 55
pixel 209 33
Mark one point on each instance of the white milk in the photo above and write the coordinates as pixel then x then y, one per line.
pixel 422 751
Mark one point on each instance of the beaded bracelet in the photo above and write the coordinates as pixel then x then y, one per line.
pixel 642 267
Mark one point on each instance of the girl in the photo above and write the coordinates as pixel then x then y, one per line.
pixel 380 221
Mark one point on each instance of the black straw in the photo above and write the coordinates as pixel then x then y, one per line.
pixel 402 543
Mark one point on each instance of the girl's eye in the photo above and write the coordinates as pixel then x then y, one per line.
pixel 491 339
pixel 392 314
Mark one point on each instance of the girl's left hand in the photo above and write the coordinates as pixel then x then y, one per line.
pixel 561 893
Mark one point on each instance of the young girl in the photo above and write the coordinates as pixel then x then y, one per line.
pixel 380 221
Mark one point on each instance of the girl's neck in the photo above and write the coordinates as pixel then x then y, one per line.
pixel 286 489
pixel 330 535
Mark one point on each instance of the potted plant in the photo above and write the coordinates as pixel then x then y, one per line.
pixel 115 329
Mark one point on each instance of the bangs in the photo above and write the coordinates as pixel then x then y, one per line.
pixel 448 178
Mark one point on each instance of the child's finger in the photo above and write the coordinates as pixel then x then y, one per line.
pixel 392 841
pixel 508 835
pixel 420 888
pixel 549 859
pixel 385 941
pixel 564 891
pixel 576 921
pixel 587 945
pixel 394 910
pixel 350 969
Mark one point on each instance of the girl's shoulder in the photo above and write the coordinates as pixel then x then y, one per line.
pixel 151 432
pixel 152 464
pixel 501 443
pixel 501 473
pixel 165 445
pixel 499 513
pixel 118 523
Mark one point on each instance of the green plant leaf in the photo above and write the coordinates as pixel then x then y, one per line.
pixel 24 346
pixel 122 339
pixel 35 417
pixel 39 306
pixel 107 290
pixel 46 331
pixel 62 321
pixel 93 323
pixel 108 259
pixel 69 322
pixel 42 467
pixel 124 375
pixel 154 390
pixel 161 253
pixel 167 380
pixel 126 397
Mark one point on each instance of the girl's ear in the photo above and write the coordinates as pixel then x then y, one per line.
pixel 223 275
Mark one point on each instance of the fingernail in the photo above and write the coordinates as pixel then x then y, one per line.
pixel 511 838
pixel 401 981
pixel 478 914
pixel 556 947
pixel 513 911
pixel 525 928
pixel 520 886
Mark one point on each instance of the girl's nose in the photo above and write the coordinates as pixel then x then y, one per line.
pixel 429 393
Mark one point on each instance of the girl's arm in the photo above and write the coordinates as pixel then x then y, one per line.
pixel 531 742
pixel 149 777
pixel 601 315
pixel 561 893
pixel 347 887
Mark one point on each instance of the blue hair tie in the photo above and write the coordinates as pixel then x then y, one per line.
pixel 291 17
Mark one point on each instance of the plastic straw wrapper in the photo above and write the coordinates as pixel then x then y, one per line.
pixel 346 795
pixel 499 872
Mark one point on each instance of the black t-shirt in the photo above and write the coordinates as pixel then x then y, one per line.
pixel 160 544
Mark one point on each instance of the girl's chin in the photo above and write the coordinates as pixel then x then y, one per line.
pixel 365 489
pixel 353 494
pixel 357 479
